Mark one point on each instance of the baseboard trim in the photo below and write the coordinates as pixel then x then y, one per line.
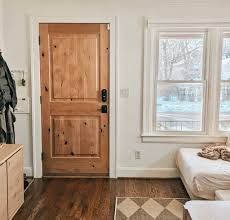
pixel 148 172
pixel 135 172
pixel 28 171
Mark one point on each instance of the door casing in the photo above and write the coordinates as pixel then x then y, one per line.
pixel 35 78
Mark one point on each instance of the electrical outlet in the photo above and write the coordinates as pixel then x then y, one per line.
pixel 137 155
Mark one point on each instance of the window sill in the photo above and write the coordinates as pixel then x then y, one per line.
pixel 183 139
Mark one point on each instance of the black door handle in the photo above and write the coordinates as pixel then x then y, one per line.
pixel 104 109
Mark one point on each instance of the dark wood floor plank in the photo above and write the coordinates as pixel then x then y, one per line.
pixel 86 199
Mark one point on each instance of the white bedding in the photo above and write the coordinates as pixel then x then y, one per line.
pixel 208 210
pixel 201 175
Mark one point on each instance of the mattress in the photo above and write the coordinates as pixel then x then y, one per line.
pixel 203 176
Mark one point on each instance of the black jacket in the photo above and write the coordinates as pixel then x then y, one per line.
pixel 7 86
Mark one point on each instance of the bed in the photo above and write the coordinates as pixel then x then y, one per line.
pixel 204 210
pixel 202 177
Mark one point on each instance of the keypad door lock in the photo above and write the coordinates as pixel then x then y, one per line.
pixel 104 95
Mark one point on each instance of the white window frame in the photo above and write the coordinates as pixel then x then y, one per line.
pixel 202 81
pixel 224 32
pixel 212 64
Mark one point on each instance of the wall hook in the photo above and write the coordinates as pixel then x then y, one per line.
pixel 23 79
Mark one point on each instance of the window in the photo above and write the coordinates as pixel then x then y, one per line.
pixel 224 108
pixel 182 81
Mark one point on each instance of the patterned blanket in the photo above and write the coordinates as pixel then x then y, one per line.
pixel 215 152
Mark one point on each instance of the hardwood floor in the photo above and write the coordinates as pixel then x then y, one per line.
pixel 86 199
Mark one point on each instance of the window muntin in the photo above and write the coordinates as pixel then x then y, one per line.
pixel 180 87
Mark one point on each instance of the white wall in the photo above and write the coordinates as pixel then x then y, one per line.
pixel 24 136
pixel 155 157
pixel 1 24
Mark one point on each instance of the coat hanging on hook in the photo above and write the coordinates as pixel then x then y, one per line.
pixel 8 100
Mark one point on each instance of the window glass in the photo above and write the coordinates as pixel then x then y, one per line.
pixel 180 58
pixel 224 117
pixel 179 107
pixel 225 73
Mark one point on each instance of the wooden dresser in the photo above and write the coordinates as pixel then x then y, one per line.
pixel 11 180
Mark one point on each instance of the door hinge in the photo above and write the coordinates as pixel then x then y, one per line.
pixel 42 156
pixel 40 99
pixel 39 40
pixel 108 27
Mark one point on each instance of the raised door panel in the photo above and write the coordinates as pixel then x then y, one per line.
pixel 3 192
pixel 75 66
pixel 15 183
pixel 76 136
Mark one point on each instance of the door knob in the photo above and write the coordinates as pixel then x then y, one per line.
pixel 103 109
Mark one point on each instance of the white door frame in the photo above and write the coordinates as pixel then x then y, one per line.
pixel 35 77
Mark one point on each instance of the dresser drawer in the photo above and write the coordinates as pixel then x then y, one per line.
pixel 15 183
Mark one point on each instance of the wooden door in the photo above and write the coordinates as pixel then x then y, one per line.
pixel 74 70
